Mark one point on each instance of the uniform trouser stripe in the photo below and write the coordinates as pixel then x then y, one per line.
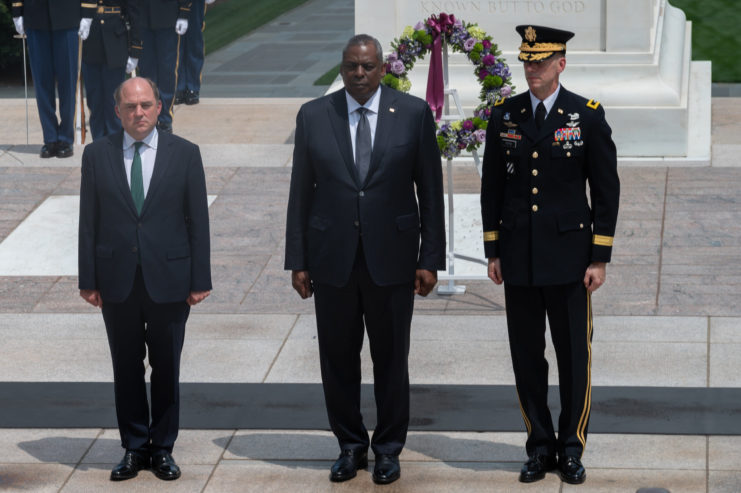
pixel 584 419
pixel 528 425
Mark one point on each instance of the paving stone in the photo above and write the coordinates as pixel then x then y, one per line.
pixel 94 478
pixel 621 481
pixel 725 329
pixel 35 446
pixel 20 294
pixel 724 481
pixel 39 478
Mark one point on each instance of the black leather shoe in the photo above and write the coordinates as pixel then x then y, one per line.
pixel 64 149
pixel 164 127
pixel 179 97
pixel 347 464
pixel 192 97
pixel 48 150
pixel 571 470
pixel 536 467
pixel 164 466
pixel 130 465
pixel 387 469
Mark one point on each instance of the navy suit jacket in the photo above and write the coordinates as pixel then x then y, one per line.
pixel 397 212
pixel 171 236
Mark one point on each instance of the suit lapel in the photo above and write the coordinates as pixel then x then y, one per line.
pixel 337 110
pixel 161 162
pixel 385 124
pixel 119 169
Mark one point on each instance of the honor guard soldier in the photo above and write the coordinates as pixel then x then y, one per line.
pixel 161 23
pixel 52 28
pixel 192 55
pixel 111 51
pixel 549 241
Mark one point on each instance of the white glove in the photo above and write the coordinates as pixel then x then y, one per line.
pixel 181 26
pixel 18 21
pixel 209 2
pixel 131 64
pixel 84 31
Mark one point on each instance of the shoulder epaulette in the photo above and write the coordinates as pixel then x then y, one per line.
pixel 593 104
pixel 499 102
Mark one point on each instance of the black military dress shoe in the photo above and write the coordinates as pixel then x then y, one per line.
pixel 179 97
pixel 130 465
pixel 164 467
pixel 192 97
pixel 387 469
pixel 536 467
pixel 48 150
pixel 64 149
pixel 571 470
pixel 347 464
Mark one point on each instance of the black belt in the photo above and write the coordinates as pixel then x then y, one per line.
pixel 109 10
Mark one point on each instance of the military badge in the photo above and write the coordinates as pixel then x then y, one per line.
pixel 510 134
pixel 567 133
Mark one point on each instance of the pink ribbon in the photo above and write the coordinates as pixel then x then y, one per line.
pixel 435 83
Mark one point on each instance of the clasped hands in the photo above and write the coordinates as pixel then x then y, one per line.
pixel 424 281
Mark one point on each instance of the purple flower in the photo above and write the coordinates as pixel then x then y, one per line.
pixel 505 91
pixel 468 125
pixel 486 44
pixel 469 44
pixel 483 74
pixel 489 60
pixel 397 67
pixel 393 56
pixel 419 26
pixel 480 135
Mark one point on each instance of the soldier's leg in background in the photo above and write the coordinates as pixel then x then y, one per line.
pixel 65 66
pixel 42 70
pixel 167 56
pixel 94 91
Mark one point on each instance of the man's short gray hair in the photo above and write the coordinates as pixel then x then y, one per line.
pixel 364 39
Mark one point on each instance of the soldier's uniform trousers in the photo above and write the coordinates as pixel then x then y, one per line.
pixel 159 62
pixel 192 50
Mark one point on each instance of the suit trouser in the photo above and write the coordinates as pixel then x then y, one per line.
pixel 569 311
pixel 192 52
pixel 53 60
pixel 136 326
pixel 100 83
pixel 340 313
pixel 159 62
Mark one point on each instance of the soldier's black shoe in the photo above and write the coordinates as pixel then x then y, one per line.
pixel 64 149
pixel 130 465
pixel 571 470
pixel 48 150
pixel 347 464
pixel 387 469
pixel 164 127
pixel 192 97
pixel 536 467
pixel 164 466
pixel 179 97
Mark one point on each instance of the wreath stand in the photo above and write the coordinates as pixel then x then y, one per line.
pixel 451 288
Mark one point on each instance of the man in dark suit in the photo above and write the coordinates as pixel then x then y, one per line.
pixel 162 22
pixel 52 28
pixel 353 240
pixel 111 51
pixel 547 244
pixel 144 258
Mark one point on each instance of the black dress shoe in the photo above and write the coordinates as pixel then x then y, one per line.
pixel 571 470
pixel 164 127
pixel 164 466
pixel 191 97
pixel 130 465
pixel 536 467
pixel 387 469
pixel 347 464
pixel 179 97
pixel 48 150
pixel 64 149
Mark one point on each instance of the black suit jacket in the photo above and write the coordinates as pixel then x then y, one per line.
pixel 110 42
pixel 52 15
pixel 536 214
pixel 171 236
pixel 330 211
pixel 162 14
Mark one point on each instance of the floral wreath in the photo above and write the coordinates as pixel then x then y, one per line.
pixel 490 69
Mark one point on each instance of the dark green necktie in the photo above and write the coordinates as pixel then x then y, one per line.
pixel 137 182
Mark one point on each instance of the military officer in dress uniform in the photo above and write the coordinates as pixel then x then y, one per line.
pixel 549 242
pixel 111 51
pixel 52 28
pixel 161 23
pixel 192 55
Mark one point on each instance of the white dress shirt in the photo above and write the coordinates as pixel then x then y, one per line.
pixel 353 116
pixel 547 102
pixel 147 152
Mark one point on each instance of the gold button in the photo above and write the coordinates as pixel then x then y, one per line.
pixel 535 208
pixel 508 152
pixel 102 21
pixel 535 154
pixel 535 191
pixel 581 226
pixel 535 172
pixel 568 154
pixel 500 221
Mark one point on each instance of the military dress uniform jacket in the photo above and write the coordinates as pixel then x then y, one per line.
pixel 114 34
pixel 53 15
pixel 163 14
pixel 535 212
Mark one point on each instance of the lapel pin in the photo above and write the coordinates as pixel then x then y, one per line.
pixel 560 111
pixel 392 110
pixel 523 110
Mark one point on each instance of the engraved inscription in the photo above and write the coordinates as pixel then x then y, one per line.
pixel 514 7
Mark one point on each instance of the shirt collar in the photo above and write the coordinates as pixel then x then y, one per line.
pixel 547 102
pixel 150 140
pixel 372 103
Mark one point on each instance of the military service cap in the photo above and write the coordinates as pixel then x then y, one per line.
pixel 540 42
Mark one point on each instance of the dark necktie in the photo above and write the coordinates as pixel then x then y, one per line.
pixel 362 144
pixel 539 115
pixel 137 182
